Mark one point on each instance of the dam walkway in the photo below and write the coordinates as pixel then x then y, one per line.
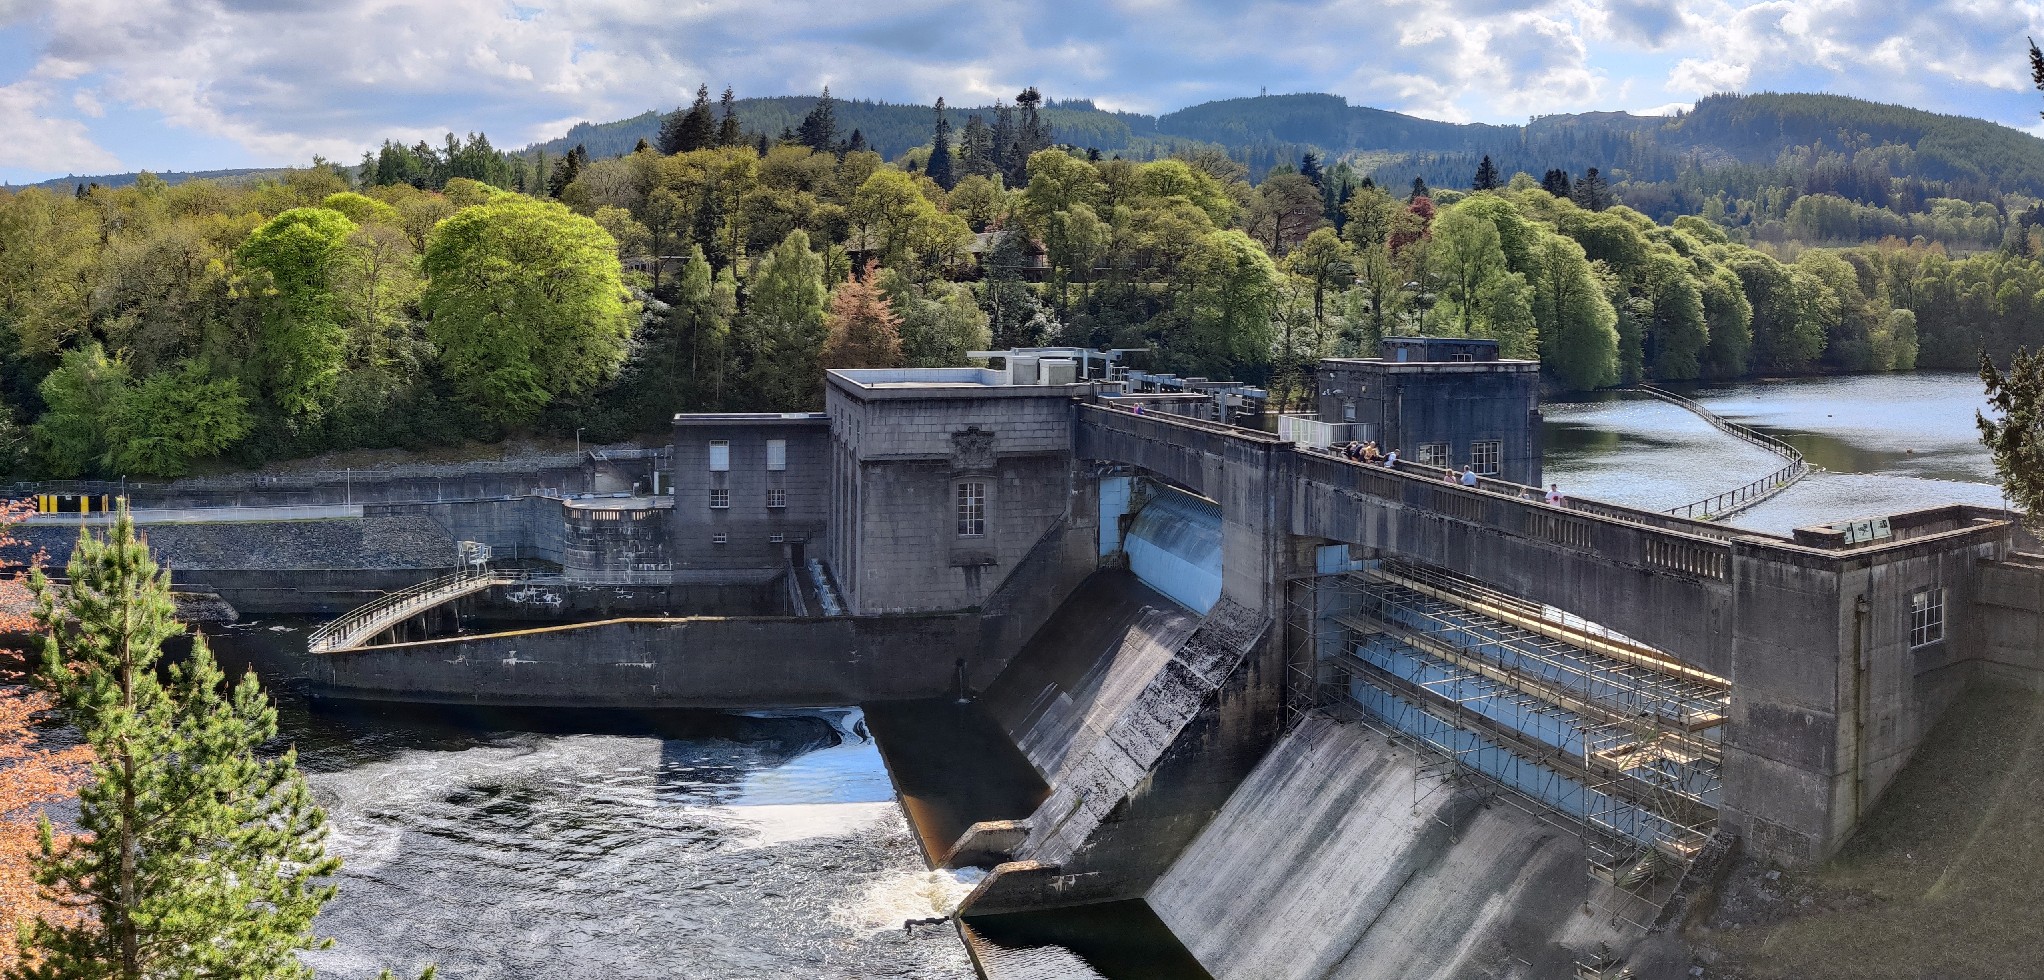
pixel 357 627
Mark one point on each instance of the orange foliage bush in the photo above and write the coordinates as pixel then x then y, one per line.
pixel 32 774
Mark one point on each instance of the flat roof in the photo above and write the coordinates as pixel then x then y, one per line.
pixel 750 418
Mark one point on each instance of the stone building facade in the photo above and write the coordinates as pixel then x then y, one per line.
pixel 941 481
pixel 1443 402
pixel 751 493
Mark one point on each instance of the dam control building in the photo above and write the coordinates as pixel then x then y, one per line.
pixel 1238 659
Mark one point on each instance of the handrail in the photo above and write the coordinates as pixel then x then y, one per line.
pixel 351 628
pixel 1735 500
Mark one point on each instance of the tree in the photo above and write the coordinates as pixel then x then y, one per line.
pixel 785 325
pixel 1323 260
pixel 728 132
pixel 71 435
pixel 294 262
pixel 1591 192
pixel 526 303
pixel 863 330
pixel 1556 182
pixel 1287 207
pixel 40 771
pixel 1419 190
pixel 940 322
pixel 1229 295
pixel 198 857
pixel 1578 327
pixel 171 419
pixel 2014 436
pixel 696 129
pixel 819 128
pixel 1479 295
pixel 1486 176
pixel 1676 332
pixel 939 168
pixel 566 170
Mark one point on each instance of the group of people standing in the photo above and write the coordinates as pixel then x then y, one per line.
pixel 1367 452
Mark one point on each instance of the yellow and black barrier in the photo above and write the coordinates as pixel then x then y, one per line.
pixel 75 503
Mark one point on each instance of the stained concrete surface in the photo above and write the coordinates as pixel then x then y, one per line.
pixel 1943 880
pixel 1338 859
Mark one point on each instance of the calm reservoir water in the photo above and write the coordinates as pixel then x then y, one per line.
pixel 1886 444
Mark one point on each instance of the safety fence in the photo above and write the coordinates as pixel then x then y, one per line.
pixel 1732 501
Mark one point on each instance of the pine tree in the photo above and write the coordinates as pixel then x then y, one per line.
pixel 1556 182
pixel 864 331
pixel 940 169
pixel 565 171
pixel 641 146
pixel 976 152
pixel 1004 145
pixel 1419 189
pixel 696 129
pixel 1309 168
pixel 1591 192
pixel 857 144
pixel 728 133
pixel 819 128
pixel 1486 175
pixel 198 857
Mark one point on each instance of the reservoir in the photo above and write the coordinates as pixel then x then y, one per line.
pixel 1884 444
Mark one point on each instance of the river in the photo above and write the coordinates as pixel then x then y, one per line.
pixel 510 845
pixel 1885 444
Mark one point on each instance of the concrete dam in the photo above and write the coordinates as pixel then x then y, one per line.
pixel 1314 716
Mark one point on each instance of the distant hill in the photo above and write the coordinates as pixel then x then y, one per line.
pixel 169 177
pixel 1753 130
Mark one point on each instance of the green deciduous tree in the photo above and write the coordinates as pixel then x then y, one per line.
pixel 198 856
pixel 2014 435
pixel 1578 327
pixel 292 264
pixel 1479 295
pixel 784 316
pixel 526 304
pixel 171 419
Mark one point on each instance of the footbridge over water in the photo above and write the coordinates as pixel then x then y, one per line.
pixel 358 627
pixel 1822 636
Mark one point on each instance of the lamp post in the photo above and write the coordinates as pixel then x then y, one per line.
pixel 578 444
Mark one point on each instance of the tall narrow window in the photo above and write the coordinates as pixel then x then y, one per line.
pixel 1926 617
pixel 972 510
pixel 720 456
pixel 1485 456
pixel 720 499
pixel 777 454
pixel 776 498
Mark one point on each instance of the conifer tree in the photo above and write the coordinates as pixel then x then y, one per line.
pixel 857 144
pixel 1419 189
pixel 2015 433
pixel 976 152
pixel 1591 192
pixel 1556 182
pixel 696 129
pixel 1309 168
pixel 940 169
pixel 197 857
pixel 864 330
pixel 641 146
pixel 819 128
pixel 1486 175
pixel 728 133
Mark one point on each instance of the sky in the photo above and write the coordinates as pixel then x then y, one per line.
pixel 108 86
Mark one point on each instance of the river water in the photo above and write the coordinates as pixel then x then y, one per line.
pixel 1885 444
pixel 512 845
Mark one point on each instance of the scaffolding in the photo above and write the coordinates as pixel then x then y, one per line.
pixel 1616 738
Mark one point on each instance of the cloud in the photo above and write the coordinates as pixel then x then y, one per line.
pixel 284 79
pixel 35 140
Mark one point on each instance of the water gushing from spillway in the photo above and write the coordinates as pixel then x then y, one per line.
pixel 510 844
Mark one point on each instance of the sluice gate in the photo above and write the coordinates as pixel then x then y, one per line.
pixel 1610 734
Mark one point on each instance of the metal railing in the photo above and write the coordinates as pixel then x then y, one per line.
pixel 357 626
pixel 1732 501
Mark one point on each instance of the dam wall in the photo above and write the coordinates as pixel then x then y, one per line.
pixel 1339 858
pixel 696 662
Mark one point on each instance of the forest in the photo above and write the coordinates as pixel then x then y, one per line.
pixel 436 295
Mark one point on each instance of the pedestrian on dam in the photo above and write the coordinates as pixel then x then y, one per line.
pixel 1554 497
pixel 1391 460
pixel 1468 476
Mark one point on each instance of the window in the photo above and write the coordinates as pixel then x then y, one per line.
pixel 1348 410
pixel 1485 456
pixel 720 499
pixel 720 456
pixel 972 510
pixel 776 538
pixel 776 499
pixel 1926 616
pixel 719 538
pixel 777 454
pixel 1432 454
pixel 1461 357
